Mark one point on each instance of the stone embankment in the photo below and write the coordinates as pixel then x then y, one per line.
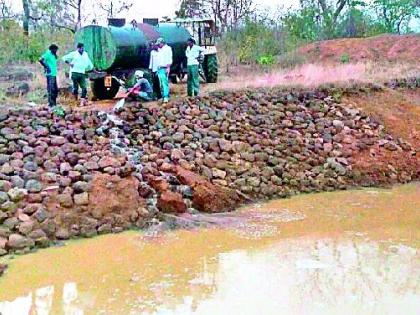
pixel 79 176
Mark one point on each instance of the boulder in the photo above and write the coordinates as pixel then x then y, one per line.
pixel 17 194
pixel 81 199
pixel 108 161
pixel 33 186
pixel 3 197
pixel 65 200
pixel 5 185
pixel 171 202
pixel 3 267
pixel 3 242
pixel 206 196
pixel 18 89
pixel 80 187
pixel 17 241
pixel 111 194
pixel 62 234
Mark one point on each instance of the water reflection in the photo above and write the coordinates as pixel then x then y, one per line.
pixel 304 276
pixel 333 253
pixel 43 301
pixel 307 277
pixel 22 305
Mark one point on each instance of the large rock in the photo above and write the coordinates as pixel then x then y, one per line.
pixel 3 242
pixel 108 161
pixel 17 194
pixel 80 187
pixel 17 241
pixel 41 215
pixel 111 194
pixel 18 89
pixel 171 202
pixel 81 199
pixel 3 197
pixel 3 267
pixel 5 185
pixel 65 200
pixel 33 186
pixel 159 184
pixel 17 181
pixel 206 196
pixel 11 223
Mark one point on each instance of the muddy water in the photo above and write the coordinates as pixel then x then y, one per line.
pixel 352 252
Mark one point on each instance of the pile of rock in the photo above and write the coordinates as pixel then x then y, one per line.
pixel 78 176
pixel 47 165
pixel 61 178
pixel 266 143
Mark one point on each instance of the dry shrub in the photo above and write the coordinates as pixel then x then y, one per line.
pixel 315 74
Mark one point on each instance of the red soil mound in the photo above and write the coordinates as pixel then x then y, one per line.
pixel 378 48
pixel 399 111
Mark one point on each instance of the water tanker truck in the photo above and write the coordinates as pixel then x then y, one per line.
pixel 117 50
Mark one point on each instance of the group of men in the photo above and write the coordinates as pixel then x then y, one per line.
pixel 161 59
pixel 80 64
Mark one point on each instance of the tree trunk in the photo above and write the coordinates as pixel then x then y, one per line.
pixel 26 14
pixel 79 15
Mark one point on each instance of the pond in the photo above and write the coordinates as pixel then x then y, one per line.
pixel 346 252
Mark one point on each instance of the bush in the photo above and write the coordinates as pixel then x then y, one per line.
pixel 345 58
pixel 266 60
pixel 254 43
pixel 16 47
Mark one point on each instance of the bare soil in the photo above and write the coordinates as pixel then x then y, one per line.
pixel 378 48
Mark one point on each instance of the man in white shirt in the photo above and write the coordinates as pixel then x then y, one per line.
pixel 164 57
pixel 153 67
pixel 193 53
pixel 79 64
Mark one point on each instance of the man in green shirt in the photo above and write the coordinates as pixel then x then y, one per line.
pixel 79 64
pixel 49 62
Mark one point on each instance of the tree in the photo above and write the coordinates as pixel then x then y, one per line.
pixel 329 14
pixel 28 6
pixel 395 15
pixel 26 17
pixel 6 12
pixel 115 7
pixel 59 14
pixel 75 5
pixel 190 8
pixel 229 13
pixel 355 23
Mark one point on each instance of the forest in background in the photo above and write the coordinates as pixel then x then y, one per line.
pixel 247 33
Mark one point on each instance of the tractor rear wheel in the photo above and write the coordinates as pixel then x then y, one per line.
pixel 104 93
pixel 211 68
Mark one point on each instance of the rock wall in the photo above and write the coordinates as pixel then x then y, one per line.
pixel 70 177
pixel 266 143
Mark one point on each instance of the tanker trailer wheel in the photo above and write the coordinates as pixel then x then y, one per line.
pixel 104 93
pixel 211 68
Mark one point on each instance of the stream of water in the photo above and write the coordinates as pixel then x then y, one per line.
pixel 347 252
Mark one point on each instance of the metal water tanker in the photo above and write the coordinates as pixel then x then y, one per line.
pixel 117 51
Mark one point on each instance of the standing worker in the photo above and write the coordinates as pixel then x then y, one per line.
pixel 79 64
pixel 193 53
pixel 49 62
pixel 153 67
pixel 165 62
